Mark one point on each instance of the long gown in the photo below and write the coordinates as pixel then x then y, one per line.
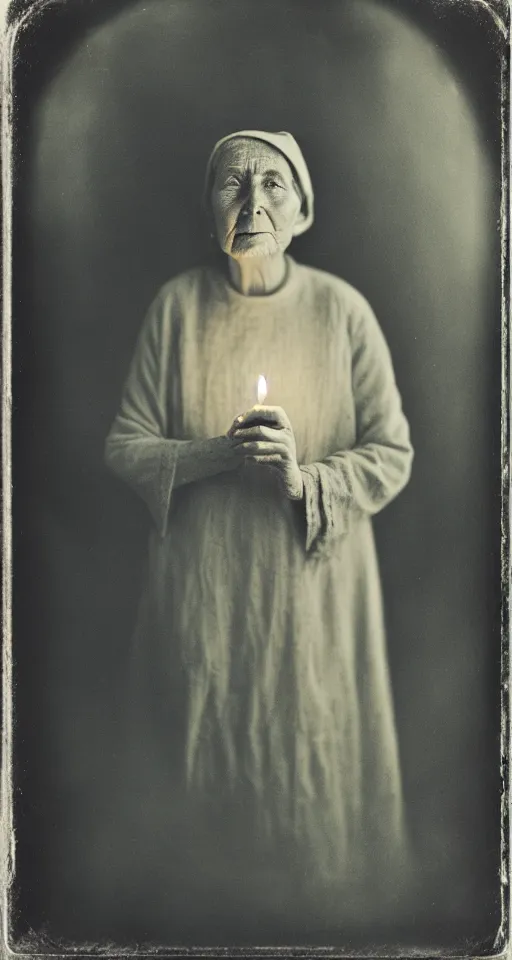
pixel 258 663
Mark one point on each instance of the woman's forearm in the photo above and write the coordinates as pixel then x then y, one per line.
pixel 200 459
pixel 153 466
pixel 357 482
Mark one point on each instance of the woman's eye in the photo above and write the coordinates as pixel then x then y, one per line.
pixel 232 182
pixel 273 185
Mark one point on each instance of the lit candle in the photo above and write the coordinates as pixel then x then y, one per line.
pixel 263 421
pixel 262 389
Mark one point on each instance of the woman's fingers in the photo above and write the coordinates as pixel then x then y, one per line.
pixel 256 433
pixel 263 447
pixel 238 422
pixel 275 415
pixel 273 458
pixel 234 426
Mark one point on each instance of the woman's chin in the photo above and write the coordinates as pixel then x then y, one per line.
pixel 246 247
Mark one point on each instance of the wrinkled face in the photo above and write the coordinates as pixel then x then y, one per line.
pixel 256 202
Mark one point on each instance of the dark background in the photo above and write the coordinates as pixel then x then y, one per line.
pixel 397 108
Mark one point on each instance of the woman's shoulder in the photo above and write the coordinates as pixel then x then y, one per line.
pixel 186 284
pixel 323 284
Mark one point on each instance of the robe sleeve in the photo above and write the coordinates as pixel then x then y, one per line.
pixel 137 448
pixel 361 481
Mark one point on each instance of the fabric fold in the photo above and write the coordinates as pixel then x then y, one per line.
pixel 168 461
pixel 148 466
pixel 360 481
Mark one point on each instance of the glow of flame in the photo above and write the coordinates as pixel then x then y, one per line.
pixel 262 388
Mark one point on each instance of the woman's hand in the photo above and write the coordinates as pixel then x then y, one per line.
pixel 265 435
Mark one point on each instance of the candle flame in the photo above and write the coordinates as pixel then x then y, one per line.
pixel 262 388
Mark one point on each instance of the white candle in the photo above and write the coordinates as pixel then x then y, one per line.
pixel 262 389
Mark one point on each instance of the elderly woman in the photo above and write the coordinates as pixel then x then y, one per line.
pixel 259 659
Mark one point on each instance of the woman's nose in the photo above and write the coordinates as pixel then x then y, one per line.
pixel 252 202
pixel 249 211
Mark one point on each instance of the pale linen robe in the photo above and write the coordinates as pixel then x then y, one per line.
pixel 261 625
